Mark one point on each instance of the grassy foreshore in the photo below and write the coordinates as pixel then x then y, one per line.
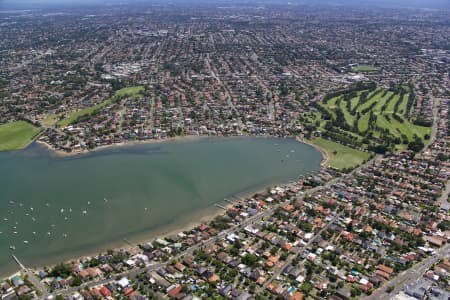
pixel 17 135
pixel 339 156
pixel 325 156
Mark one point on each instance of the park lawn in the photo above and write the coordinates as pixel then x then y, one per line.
pixel 402 107
pixel 50 120
pixel 312 116
pixel 365 68
pixel 316 116
pixel 410 129
pixel 332 102
pixel 363 123
pixel 401 147
pixel 377 99
pixel 132 92
pixel 340 156
pixel 382 122
pixel 17 135
pixel 376 91
pixel 330 106
pixel 358 137
pixel 385 119
pixel 406 88
pixel 421 130
pixel 394 127
pixel 381 101
pixel 354 102
pixel 349 119
pixel 391 105
pixel 397 129
pixel 82 112
pixel 355 106
pixel 368 102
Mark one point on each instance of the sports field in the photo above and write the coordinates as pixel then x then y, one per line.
pixel 365 69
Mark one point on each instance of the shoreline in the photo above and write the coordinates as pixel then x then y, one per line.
pixel 179 138
pixel 138 239
pixel 186 223
pixel 326 158
pixel 204 216
pixel 62 153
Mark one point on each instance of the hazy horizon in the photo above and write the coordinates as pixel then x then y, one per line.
pixel 32 4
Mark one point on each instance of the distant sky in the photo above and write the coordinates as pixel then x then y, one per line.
pixel 10 4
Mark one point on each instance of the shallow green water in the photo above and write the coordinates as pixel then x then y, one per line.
pixel 72 206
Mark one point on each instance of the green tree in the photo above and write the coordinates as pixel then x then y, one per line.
pixel 250 259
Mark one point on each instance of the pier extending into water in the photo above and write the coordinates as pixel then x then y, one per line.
pixel 18 262
pixel 220 206
pixel 32 277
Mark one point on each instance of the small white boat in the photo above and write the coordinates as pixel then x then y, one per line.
pixel 12 247
pixel 62 210
pixel 48 233
pixel 25 242
pixel 5 219
pixel 84 212
pixel 34 232
pixel 15 232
